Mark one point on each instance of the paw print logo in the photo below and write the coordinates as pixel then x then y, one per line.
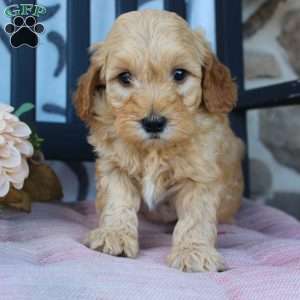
pixel 24 31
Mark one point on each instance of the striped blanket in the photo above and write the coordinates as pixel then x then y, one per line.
pixel 41 258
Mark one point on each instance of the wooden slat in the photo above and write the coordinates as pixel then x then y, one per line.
pixel 78 41
pixel 229 35
pixel 177 6
pixel 63 142
pixel 238 121
pixel 123 6
pixel 274 95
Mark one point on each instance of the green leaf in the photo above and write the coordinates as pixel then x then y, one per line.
pixel 36 141
pixel 24 108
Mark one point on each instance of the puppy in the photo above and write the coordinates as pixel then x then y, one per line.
pixel 156 100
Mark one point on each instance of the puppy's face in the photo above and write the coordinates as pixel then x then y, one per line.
pixel 153 74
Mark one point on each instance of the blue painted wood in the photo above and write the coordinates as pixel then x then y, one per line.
pixel 23 75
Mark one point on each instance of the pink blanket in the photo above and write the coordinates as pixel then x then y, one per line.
pixel 41 258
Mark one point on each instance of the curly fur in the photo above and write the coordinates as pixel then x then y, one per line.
pixel 192 173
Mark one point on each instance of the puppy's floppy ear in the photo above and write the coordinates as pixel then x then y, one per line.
pixel 88 84
pixel 83 98
pixel 219 90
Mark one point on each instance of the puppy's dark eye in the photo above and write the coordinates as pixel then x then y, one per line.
pixel 179 75
pixel 125 78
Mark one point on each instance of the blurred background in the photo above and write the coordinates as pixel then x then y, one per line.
pixel 271 44
pixel 258 39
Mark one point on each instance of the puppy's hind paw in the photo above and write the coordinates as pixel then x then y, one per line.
pixel 196 259
pixel 112 241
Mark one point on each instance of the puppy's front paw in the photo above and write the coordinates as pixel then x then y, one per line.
pixel 113 241
pixel 195 259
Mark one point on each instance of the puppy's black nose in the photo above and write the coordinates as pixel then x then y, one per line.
pixel 154 123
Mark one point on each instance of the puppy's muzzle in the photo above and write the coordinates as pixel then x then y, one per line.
pixel 154 124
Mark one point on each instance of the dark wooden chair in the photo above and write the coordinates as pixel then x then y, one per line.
pixel 67 141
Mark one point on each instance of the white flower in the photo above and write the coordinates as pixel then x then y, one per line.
pixel 14 150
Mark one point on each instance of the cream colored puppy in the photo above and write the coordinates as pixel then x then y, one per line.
pixel 156 101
